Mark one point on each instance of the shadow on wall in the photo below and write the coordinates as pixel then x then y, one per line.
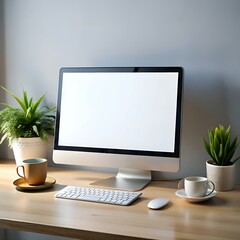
pixel 3 147
pixel 234 115
pixel 202 93
pixel 2 48
pixel 205 103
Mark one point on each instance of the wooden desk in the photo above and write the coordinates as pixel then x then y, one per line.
pixel 218 218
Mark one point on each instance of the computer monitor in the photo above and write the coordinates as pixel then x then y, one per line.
pixel 120 117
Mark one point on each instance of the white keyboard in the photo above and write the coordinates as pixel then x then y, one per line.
pixel 98 195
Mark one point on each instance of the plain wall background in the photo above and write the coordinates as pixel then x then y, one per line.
pixel 39 37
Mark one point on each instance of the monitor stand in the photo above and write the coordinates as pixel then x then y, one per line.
pixel 127 179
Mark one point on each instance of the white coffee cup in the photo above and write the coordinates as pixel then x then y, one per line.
pixel 197 186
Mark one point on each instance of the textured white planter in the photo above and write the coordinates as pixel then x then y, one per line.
pixel 25 148
pixel 222 176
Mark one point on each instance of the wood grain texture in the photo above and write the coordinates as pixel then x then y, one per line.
pixel 217 218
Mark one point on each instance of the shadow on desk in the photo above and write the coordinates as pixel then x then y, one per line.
pixel 55 187
pixel 214 202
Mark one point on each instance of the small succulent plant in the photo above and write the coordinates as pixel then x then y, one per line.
pixel 220 147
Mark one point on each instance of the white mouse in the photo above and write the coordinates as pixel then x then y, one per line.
pixel 158 203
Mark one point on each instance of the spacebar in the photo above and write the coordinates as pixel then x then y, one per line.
pixel 89 198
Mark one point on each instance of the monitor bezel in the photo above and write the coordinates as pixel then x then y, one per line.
pixel 174 154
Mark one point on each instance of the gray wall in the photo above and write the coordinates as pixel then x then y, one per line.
pixel 203 36
pixel 39 37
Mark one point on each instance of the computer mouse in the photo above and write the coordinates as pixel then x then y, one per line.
pixel 158 203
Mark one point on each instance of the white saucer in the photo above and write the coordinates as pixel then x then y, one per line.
pixel 181 193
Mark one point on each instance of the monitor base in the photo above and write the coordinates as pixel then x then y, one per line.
pixel 126 179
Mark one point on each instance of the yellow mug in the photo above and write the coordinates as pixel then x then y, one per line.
pixel 34 171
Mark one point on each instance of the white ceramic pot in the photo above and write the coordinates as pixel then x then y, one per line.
pixel 25 148
pixel 222 176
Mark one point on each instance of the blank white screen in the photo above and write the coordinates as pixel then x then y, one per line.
pixel 135 111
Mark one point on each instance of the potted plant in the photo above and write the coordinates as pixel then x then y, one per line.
pixel 221 167
pixel 27 127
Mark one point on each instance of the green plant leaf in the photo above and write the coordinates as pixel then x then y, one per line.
pixel 20 102
pixel 35 129
pixel 29 120
pixel 36 104
pixel 25 100
pixel 220 147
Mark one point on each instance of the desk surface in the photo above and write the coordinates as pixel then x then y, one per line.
pixel 217 218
